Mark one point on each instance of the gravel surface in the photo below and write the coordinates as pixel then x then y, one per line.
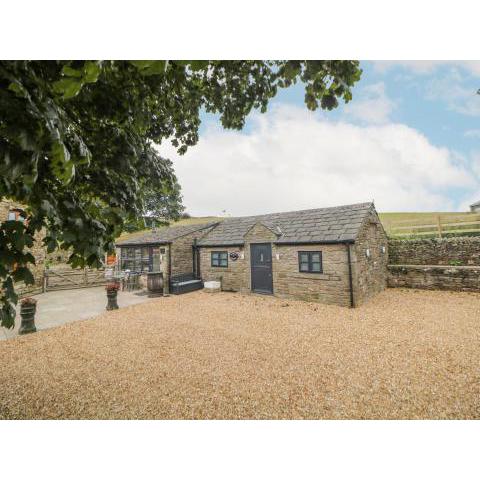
pixel 406 354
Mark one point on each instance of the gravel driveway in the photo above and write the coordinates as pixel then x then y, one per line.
pixel 406 354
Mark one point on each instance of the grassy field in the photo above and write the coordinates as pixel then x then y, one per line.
pixel 182 222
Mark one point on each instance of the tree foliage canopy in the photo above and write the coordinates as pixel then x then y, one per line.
pixel 161 206
pixel 77 140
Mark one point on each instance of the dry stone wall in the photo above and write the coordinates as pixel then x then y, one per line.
pixel 437 251
pixel 435 264
pixel 436 277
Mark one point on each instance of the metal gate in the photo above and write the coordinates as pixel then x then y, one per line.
pixel 69 278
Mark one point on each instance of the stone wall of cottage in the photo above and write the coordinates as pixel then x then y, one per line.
pixel 234 277
pixel 38 251
pixel 182 252
pixel 331 286
pixel 435 264
pixel 182 255
pixel 370 259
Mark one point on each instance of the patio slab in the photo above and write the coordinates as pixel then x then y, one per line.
pixel 65 306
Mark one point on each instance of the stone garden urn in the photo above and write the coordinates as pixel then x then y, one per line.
pixel 112 291
pixel 28 308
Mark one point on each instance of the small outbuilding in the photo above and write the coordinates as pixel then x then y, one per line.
pixel 332 255
pixel 169 250
pixel 475 207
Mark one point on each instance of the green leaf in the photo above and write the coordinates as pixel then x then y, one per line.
pixel 71 72
pixel 141 64
pixel 23 274
pixel 198 64
pixel 7 315
pixel 19 241
pixel 91 72
pixel 62 166
pixel 151 67
pixel 68 87
pixel 18 88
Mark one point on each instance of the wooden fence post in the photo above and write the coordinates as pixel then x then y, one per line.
pixel 439 225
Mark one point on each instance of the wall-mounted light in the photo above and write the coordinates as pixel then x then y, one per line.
pixel 367 253
pixel 383 249
pixel 277 256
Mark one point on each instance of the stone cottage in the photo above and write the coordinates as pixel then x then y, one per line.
pixel 170 250
pixel 332 255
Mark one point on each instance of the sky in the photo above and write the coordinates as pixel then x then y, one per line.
pixel 409 140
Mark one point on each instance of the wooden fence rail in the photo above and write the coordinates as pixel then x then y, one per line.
pixel 436 226
pixel 69 278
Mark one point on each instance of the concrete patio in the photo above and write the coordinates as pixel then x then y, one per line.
pixel 65 306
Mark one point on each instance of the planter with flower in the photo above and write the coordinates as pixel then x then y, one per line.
pixel 112 290
pixel 28 308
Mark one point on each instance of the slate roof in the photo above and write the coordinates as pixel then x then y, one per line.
pixel 335 224
pixel 163 235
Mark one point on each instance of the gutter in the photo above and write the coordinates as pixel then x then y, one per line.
pixel 221 245
pixel 317 242
pixel 142 244
pixel 307 242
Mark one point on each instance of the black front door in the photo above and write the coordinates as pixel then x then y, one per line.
pixel 261 264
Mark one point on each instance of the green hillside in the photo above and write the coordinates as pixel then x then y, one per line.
pixel 183 221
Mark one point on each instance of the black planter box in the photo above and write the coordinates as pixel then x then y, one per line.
pixel 185 283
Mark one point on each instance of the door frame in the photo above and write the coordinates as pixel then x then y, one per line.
pixel 262 292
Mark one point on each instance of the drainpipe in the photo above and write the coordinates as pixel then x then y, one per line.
pixel 350 279
pixel 166 288
pixel 195 259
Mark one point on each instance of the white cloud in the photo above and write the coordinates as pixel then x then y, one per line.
pixel 453 90
pixel 474 133
pixel 427 66
pixel 294 159
pixel 456 86
pixel 372 105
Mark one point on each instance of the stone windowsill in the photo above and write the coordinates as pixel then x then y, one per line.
pixel 314 276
